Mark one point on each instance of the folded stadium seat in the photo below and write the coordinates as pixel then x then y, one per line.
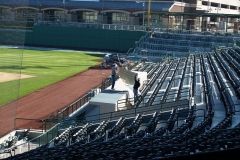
pixel 116 128
pixel 130 130
pixel 82 132
pixel 120 134
pixel 63 137
pixel 145 122
pixel 98 131
pixel 150 127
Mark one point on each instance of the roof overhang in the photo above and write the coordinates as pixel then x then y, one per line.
pixel 130 6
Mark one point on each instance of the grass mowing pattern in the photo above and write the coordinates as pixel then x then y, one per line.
pixel 47 66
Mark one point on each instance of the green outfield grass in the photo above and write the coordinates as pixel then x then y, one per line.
pixel 47 66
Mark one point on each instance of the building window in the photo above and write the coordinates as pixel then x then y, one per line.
pixel 224 6
pixel 213 19
pixel 90 17
pixel 120 18
pixel 26 14
pixel 233 7
pixel 205 3
pixel 214 4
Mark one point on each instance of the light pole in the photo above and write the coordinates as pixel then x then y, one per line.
pixel 143 12
pixel 64 1
pixel 149 13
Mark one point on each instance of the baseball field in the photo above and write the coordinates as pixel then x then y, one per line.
pixel 23 71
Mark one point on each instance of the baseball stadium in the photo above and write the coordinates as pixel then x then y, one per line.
pixel 119 79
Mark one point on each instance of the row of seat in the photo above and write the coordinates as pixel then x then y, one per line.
pixel 183 43
pixel 195 37
pixel 230 74
pixel 132 127
pixel 198 43
pixel 159 47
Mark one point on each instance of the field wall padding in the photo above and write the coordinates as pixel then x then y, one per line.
pixel 72 38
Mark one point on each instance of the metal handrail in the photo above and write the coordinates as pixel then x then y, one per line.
pixel 78 103
pixel 95 25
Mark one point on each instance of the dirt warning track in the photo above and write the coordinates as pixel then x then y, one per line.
pixel 43 102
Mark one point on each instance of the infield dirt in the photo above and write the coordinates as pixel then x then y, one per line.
pixel 5 77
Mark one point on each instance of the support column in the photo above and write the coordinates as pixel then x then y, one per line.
pixel 12 15
pixel 199 24
pixel 104 18
pixel 40 16
pixel 74 17
pixel 203 24
pixel 218 20
pixel 227 20
pixel 100 17
pixel 165 22
pixel 222 24
pixel 168 23
pixel 208 23
pixel 182 22
pixel 235 27
pixel 133 20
